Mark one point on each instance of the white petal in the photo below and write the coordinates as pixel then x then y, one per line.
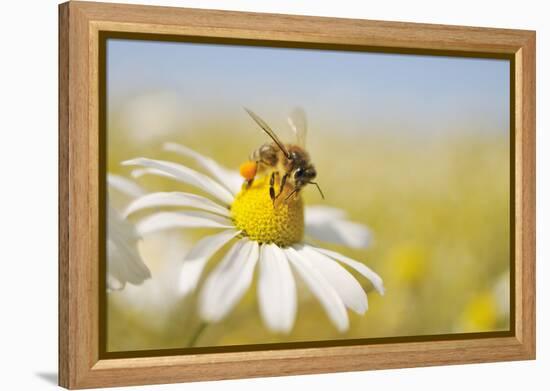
pixel 229 281
pixel 321 288
pixel 322 214
pixel 346 233
pixel 118 228
pixel 183 219
pixel 139 172
pixel 114 284
pixel 124 185
pixel 358 266
pixel 155 200
pixel 276 289
pixel 185 175
pixel 230 179
pixel 197 258
pixel 347 287
pixel 124 263
pixel 329 225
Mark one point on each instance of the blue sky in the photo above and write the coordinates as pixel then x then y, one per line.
pixel 354 90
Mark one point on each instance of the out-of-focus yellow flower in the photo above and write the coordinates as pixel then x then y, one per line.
pixel 481 313
pixel 408 263
pixel 489 310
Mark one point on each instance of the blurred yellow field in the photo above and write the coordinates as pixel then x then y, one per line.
pixel 430 184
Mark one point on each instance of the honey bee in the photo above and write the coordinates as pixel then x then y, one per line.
pixel 289 163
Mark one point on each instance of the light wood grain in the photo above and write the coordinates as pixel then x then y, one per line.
pixel 64 331
pixel 80 24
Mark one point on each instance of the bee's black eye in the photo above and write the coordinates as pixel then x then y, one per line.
pixel 298 173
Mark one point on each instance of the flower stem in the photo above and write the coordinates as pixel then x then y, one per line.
pixel 196 335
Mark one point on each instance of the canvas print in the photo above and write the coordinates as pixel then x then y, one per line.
pixel 264 195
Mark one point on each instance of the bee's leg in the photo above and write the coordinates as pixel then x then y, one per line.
pixel 283 183
pixel 272 187
pixel 249 182
pixel 294 192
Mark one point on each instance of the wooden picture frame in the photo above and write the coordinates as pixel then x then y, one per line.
pixel 81 24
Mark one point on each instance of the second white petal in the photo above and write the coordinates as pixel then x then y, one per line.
pixel 229 281
pixel 321 288
pixel 276 289
pixel 347 287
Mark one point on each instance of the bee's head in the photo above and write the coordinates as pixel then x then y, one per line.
pixel 304 175
pixel 303 171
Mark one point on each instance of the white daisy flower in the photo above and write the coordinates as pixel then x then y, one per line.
pixel 124 263
pixel 258 233
pixel 157 255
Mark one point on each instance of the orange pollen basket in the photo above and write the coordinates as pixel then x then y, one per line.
pixel 248 170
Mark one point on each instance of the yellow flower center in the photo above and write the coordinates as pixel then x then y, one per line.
pixel 254 213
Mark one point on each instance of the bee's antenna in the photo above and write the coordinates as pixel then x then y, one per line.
pixel 318 188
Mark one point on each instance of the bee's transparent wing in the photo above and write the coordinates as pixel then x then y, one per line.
pixel 268 131
pixel 298 123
